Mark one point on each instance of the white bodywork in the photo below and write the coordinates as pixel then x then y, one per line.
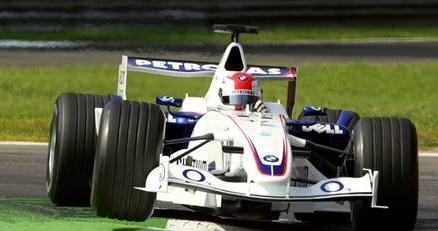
pixel 260 137
pixel 267 164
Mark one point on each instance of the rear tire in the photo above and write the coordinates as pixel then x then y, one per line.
pixel 71 148
pixel 129 145
pixel 388 145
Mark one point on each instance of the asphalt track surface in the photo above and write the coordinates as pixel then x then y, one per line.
pixel 22 174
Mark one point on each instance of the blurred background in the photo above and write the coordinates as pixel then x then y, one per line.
pixel 154 21
pixel 136 24
pixel 375 57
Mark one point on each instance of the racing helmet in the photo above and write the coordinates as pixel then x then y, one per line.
pixel 240 89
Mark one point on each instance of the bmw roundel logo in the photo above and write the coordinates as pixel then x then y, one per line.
pixel 243 78
pixel 332 186
pixel 270 158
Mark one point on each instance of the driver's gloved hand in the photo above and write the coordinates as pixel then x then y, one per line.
pixel 259 106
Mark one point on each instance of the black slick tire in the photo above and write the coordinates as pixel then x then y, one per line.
pixel 388 145
pixel 71 148
pixel 130 142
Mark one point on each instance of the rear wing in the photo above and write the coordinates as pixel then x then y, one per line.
pixel 189 69
pixel 180 68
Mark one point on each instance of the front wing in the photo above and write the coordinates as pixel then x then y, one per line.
pixel 343 188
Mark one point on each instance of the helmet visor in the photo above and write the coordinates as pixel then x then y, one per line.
pixel 239 99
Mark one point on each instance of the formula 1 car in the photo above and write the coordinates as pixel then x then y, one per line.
pixel 222 155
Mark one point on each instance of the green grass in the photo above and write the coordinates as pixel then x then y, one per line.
pixel 38 214
pixel 201 34
pixel 389 89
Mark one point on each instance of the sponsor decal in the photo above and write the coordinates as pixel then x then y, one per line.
pixel 199 164
pixel 332 186
pixel 197 67
pixel 308 111
pixel 270 158
pixel 161 175
pixel 242 92
pixel 175 66
pixel 316 108
pixel 323 128
pixel 122 75
pixel 193 175
pixel 263 71
pixel 243 78
pixel 167 98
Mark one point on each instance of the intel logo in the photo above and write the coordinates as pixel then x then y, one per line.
pixel 270 158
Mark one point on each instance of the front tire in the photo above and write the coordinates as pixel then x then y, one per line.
pixel 71 148
pixel 387 145
pixel 129 145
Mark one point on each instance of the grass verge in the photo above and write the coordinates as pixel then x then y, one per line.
pixel 38 214
pixel 396 89
pixel 200 34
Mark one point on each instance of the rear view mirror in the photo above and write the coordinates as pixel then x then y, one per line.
pixel 169 101
pixel 314 111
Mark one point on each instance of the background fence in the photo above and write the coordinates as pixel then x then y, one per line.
pixel 206 11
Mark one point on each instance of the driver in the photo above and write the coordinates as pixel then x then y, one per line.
pixel 241 89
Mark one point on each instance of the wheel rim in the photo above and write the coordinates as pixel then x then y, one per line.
pixel 52 147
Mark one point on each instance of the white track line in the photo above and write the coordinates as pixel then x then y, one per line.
pixel 428 154
pixel 25 143
pixel 178 225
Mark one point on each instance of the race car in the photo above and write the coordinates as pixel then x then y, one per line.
pixel 229 153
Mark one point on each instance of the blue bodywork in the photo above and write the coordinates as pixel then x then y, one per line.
pixel 335 134
pixel 314 111
pixel 345 118
pixel 115 97
pixel 169 101
pixel 326 134
pixel 178 124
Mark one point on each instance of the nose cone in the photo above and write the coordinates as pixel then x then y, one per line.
pixel 267 155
